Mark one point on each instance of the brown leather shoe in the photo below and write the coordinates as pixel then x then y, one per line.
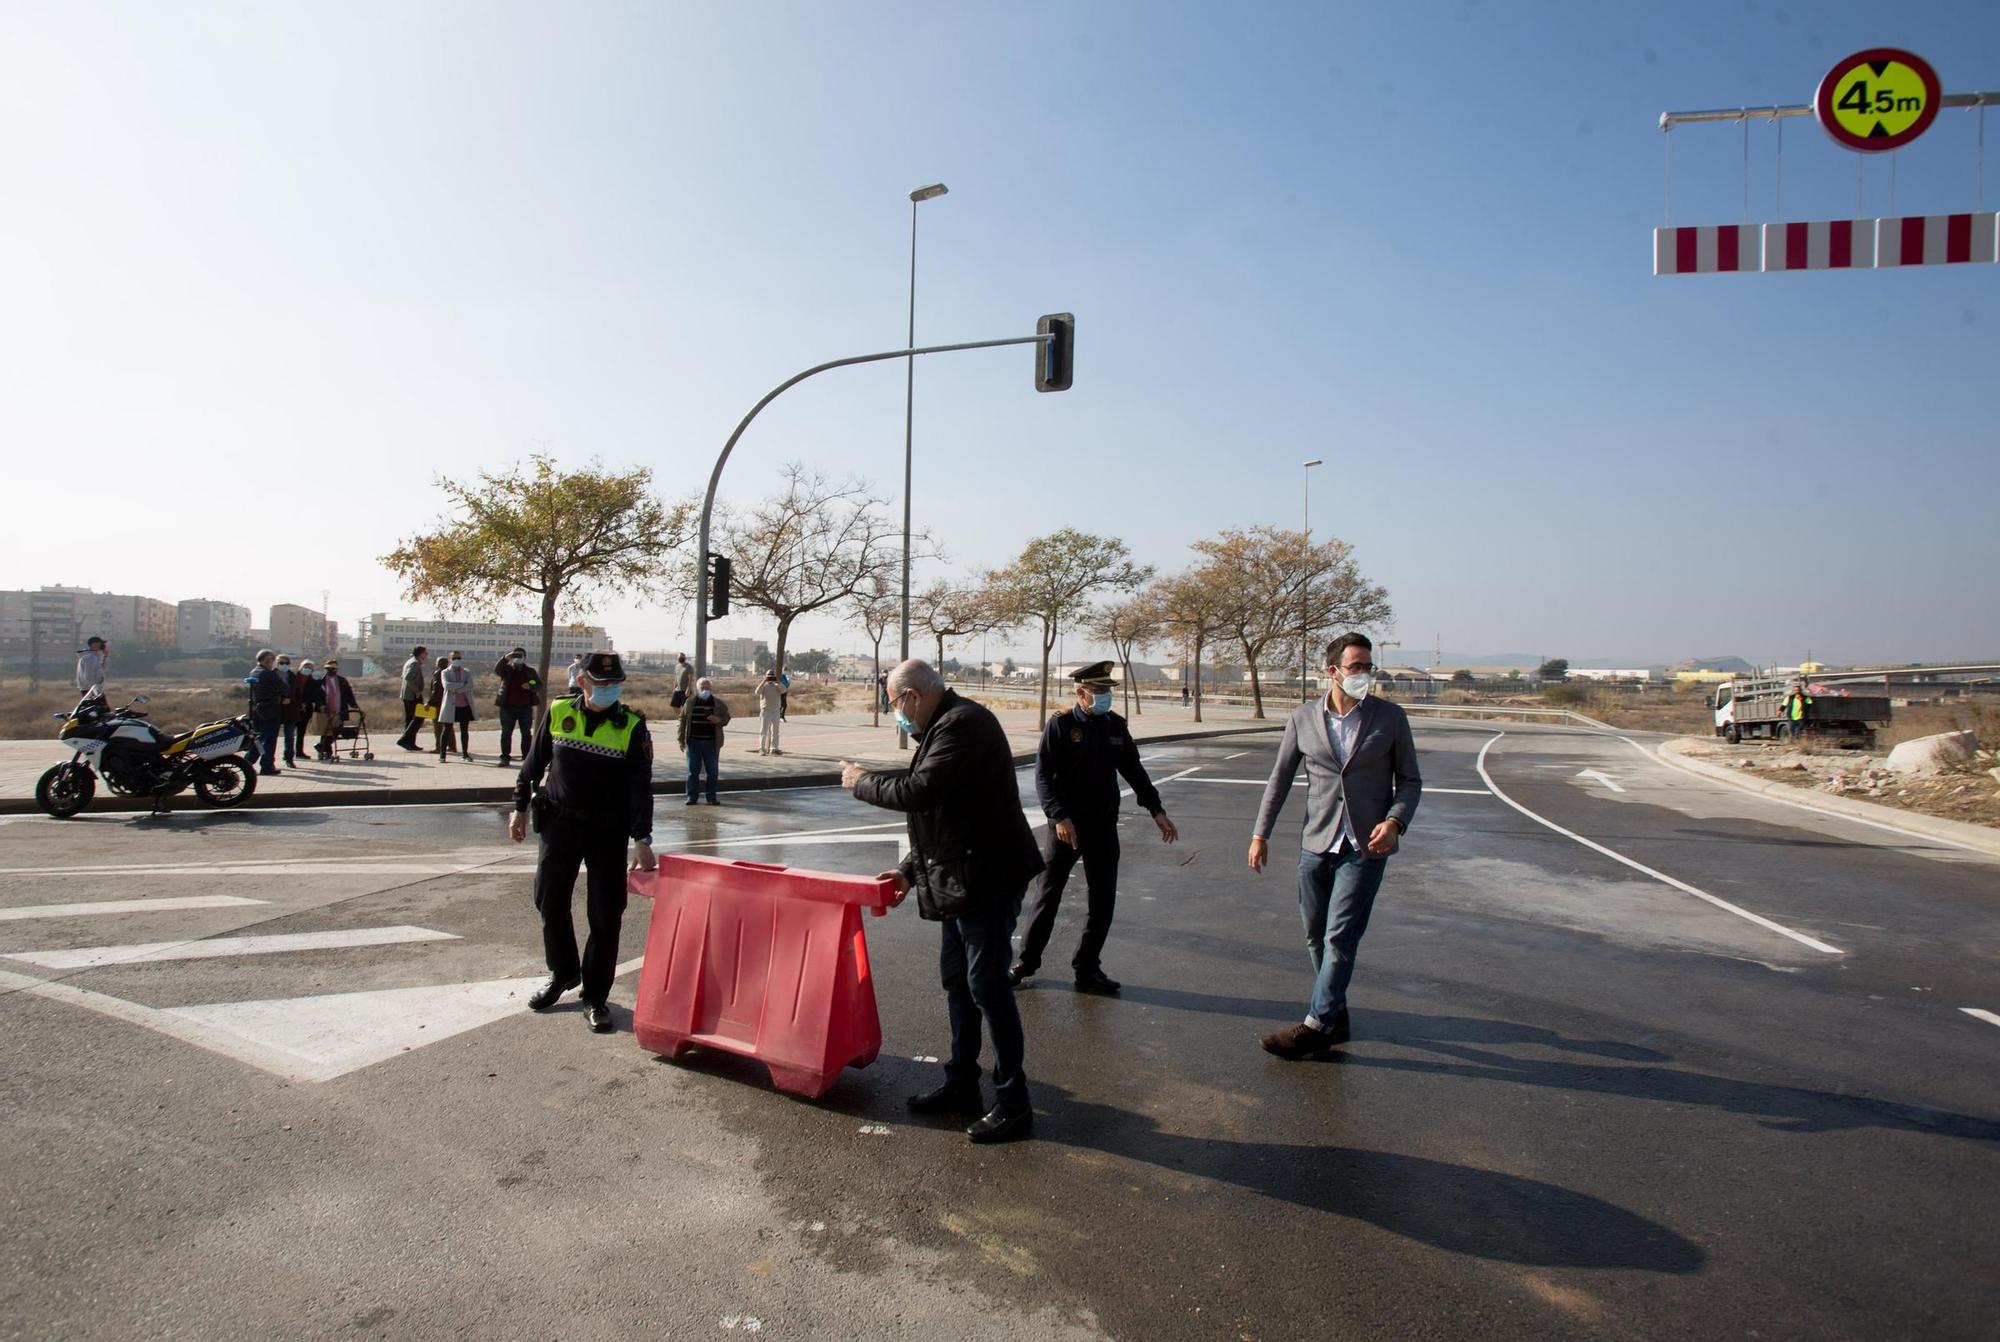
pixel 1296 1042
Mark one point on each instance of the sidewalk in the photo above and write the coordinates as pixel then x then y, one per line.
pixel 813 746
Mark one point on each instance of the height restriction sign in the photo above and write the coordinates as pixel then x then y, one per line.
pixel 1878 99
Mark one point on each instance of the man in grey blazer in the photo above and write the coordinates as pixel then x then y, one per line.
pixel 1362 787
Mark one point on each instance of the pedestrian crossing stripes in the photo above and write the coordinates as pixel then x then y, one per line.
pixel 104 906
pixel 213 948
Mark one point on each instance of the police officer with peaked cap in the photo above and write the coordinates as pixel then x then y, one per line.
pixel 1082 754
pixel 598 791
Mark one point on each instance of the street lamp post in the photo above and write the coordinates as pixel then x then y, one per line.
pixel 1305 588
pixel 917 197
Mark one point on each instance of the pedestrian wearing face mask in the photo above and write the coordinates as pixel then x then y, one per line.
pixel 1362 787
pixel 455 681
pixel 312 699
pixel 588 779
pixel 1083 753
pixel 289 728
pixel 520 691
pixel 700 737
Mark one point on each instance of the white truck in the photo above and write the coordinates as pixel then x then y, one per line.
pixel 1834 714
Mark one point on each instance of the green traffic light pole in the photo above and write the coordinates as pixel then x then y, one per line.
pixel 715 476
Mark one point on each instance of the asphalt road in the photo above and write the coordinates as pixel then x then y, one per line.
pixel 1584 1098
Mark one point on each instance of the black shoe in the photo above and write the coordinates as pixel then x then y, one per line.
pixel 598 1018
pixel 1096 981
pixel 1001 1126
pixel 408 745
pixel 552 987
pixel 950 1098
pixel 505 763
pixel 1019 975
pixel 689 802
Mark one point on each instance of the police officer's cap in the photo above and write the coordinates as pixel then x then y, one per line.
pixel 604 666
pixel 1097 676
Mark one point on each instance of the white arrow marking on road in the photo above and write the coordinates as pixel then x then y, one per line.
pixel 1986 1016
pixel 213 948
pixel 1603 778
pixel 124 906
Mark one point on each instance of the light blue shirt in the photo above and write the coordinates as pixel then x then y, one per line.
pixel 1343 730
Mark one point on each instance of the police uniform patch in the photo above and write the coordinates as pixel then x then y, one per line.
pixel 1076 735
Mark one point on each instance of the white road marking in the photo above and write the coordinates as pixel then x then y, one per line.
pixel 312 1039
pixel 87 957
pixel 357 861
pixel 1987 1016
pixel 1660 876
pixel 1428 789
pixel 1801 806
pixel 124 906
pixel 1601 777
pixel 875 1130
pixel 1237 756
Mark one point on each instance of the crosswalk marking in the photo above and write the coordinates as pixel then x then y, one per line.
pixel 27 911
pixel 212 948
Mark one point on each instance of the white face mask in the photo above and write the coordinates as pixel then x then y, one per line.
pixel 1357 685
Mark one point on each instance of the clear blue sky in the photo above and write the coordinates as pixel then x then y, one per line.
pixel 267 270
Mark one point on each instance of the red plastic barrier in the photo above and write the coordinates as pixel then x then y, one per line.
pixel 763 961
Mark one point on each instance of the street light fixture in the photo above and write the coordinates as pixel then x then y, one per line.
pixel 1305 589
pixel 917 197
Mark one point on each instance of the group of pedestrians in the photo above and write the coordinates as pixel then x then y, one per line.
pixel 285 700
pixel 443 695
pixel 972 856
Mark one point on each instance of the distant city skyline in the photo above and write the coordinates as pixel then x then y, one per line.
pixel 1289 231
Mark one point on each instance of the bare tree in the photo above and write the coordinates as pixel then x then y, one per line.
pixel 877 612
pixel 563 538
pixel 1286 585
pixel 1190 610
pixel 813 545
pixel 1054 576
pixel 944 611
pixel 1127 625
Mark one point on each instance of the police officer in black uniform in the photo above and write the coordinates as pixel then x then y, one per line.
pixel 1082 754
pixel 598 758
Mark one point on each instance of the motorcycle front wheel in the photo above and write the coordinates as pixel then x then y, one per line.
pixel 225 782
pixel 64 790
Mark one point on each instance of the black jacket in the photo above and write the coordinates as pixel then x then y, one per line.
pixel 963 802
pixel 1080 760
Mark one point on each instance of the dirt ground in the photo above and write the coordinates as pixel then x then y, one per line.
pixel 1966 793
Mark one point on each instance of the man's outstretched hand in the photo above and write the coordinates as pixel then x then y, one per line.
pixel 850 774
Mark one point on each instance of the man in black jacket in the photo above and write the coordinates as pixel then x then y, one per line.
pixel 971 858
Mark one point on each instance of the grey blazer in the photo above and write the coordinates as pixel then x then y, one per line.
pixel 1380 781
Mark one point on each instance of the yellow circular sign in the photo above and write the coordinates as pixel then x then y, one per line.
pixel 1878 100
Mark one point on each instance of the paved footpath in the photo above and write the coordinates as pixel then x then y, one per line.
pixel 813 748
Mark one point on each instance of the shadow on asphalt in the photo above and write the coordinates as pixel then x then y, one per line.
pixel 271 819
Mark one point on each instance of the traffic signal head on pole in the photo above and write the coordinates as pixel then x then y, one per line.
pixel 1055 358
pixel 718 586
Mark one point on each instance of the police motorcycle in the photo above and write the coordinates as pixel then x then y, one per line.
pixel 135 759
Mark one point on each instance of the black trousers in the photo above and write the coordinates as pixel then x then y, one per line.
pixel 972 964
pixel 1097 848
pixel 567 845
pixel 410 721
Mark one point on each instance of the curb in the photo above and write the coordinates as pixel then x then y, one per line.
pixel 1978 838
pixel 455 796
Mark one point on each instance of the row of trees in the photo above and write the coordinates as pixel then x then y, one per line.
pixel 562 539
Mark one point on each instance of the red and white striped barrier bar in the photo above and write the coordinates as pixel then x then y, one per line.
pixel 1706 249
pixel 1935 239
pixel 1826 244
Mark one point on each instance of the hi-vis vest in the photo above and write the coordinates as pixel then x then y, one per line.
pixel 612 737
pixel 1797 707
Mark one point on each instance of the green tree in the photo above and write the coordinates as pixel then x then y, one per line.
pixel 1461 677
pixel 1189 609
pixel 944 611
pixel 877 613
pixel 1053 577
pixel 1127 626
pixel 811 662
pixel 558 539
pixel 1555 668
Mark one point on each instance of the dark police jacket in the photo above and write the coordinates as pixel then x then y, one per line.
pixel 599 766
pixel 963 803
pixel 1077 767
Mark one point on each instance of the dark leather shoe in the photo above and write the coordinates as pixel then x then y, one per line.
pixel 1298 1042
pixel 1019 975
pixel 1096 981
pixel 1001 1126
pixel 950 1098
pixel 599 1018
pixel 552 987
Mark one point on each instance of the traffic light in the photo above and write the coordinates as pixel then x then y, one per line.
pixel 1055 358
pixel 718 586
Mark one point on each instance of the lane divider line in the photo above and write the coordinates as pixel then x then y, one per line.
pixel 1428 789
pixel 1660 876
pixel 1987 1016
pixel 173 905
pixel 216 948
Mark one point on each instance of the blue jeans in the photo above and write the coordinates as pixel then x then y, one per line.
pixel 702 755
pixel 1342 886
pixel 510 718
pixel 973 964
pixel 267 742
